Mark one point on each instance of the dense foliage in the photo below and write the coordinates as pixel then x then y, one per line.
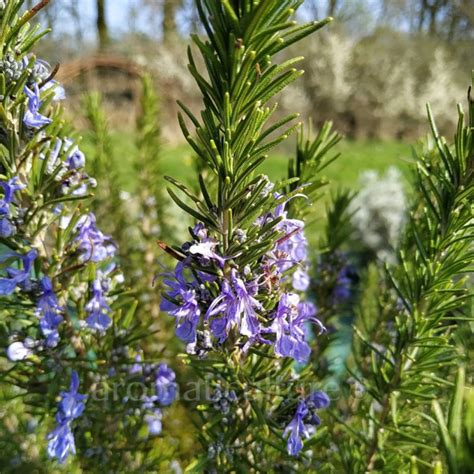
pixel 352 354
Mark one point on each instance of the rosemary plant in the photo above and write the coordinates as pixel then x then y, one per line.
pixel 408 347
pixel 108 198
pixel 77 341
pixel 70 330
pixel 236 292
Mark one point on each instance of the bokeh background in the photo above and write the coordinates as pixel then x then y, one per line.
pixel 371 72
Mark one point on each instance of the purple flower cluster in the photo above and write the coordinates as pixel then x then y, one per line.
pixel 289 326
pixel 97 307
pixel 7 228
pixel 291 250
pixel 49 311
pixel 165 385
pixel 33 117
pixel 92 243
pixel 234 303
pixel 235 307
pixel 69 170
pixel 73 179
pixel 75 158
pixel 160 383
pixel 225 300
pixel 61 439
pixel 338 276
pixel 17 277
pixel 304 421
pixel 181 302
pixel 165 393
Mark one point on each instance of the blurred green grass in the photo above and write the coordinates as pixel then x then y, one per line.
pixel 344 173
pixel 356 156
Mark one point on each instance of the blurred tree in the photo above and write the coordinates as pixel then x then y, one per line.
pixel 188 16
pixel 451 19
pixel 461 20
pixel 102 28
pixel 428 14
pixel 332 7
pixel 75 12
pixel 448 19
pixel 169 18
pixel 353 14
pixel 167 10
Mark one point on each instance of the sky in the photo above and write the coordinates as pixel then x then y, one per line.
pixel 123 15
pixel 118 16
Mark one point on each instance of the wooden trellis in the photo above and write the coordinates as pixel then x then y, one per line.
pixel 115 77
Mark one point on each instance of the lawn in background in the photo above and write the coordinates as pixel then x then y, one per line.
pixel 356 156
pixel 344 173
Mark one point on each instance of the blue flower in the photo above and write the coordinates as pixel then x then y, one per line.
pixel 301 279
pixel 181 302
pixel 7 229
pixel 71 405
pixel 153 420
pixel 165 384
pixel 235 306
pixel 92 243
pixel 33 117
pixel 288 325
pixel 9 189
pixel 297 430
pixel 291 250
pixel 344 281
pixel 18 351
pixel 294 243
pixel 61 439
pixel 98 308
pixel 225 306
pixel 17 277
pixel 305 419
pixel 58 90
pixel 49 310
pixel 205 252
pixel 315 401
pixel 61 443
pixel 75 158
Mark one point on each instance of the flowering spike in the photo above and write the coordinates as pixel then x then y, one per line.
pixel 233 291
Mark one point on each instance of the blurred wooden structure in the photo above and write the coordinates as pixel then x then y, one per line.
pixel 115 77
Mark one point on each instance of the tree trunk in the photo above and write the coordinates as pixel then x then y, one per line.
pixel 332 6
pixel 75 12
pixel 102 29
pixel 422 13
pixel 169 21
pixel 433 24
